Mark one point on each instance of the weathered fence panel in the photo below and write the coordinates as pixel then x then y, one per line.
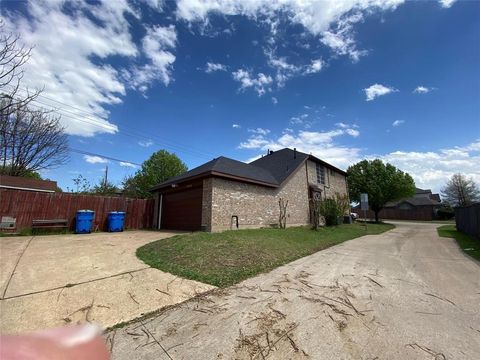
pixel 26 206
pixel 421 213
pixel 467 219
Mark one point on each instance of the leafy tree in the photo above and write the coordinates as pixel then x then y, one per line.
pixel 382 182
pixel 28 174
pixel 460 191
pixel 160 167
pixel 105 188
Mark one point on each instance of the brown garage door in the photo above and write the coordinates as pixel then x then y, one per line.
pixel 182 210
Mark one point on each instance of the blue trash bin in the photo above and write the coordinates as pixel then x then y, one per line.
pixel 84 221
pixel 116 221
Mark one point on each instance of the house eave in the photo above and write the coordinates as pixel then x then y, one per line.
pixel 207 174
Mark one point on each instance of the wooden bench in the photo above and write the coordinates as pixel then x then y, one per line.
pixel 50 224
pixel 8 223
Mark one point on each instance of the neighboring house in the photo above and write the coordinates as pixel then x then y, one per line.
pixel 422 206
pixel 22 183
pixel 223 192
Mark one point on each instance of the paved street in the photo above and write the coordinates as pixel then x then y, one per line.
pixel 405 294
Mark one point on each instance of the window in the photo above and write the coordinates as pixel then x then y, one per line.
pixel 320 174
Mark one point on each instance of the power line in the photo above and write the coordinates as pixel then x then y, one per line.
pixel 131 132
pixel 102 156
pixel 92 153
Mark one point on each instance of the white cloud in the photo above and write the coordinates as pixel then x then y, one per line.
pixel 213 67
pixel 259 131
pixel 261 83
pixel 299 119
pixel 432 169
pixel 422 90
pixel 72 64
pixel 92 159
pixel 254 142
pixel 285 70
pixel 145 143
pixel 352 132
pixel 236 126
pixel 429 169
pixel 127 164
pixel 377 90
pixel 330 21
pixel 156 45
pixel 315 67
pixel 446 3
pixel 319 143
pixel 398 123
pixel 274 100
pixel 346 126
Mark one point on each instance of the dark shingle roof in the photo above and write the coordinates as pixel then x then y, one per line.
pixel 422 191
pixel 270 170
pixel 223 165
pixel 281 163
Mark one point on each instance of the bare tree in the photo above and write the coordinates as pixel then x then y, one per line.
pixel 282 219
pixel 13 56
pixel 30 139
pixel 460 191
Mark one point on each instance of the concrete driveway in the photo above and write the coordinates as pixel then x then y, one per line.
pixel 48 281
pixel 405 294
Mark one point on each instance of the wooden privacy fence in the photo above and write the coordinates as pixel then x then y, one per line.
pixel 27 206
pixel 424 213
pixel 467 220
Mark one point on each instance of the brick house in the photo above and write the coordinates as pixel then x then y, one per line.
pixel 222 193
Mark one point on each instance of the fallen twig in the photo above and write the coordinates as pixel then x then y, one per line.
pixel 436 355
pixel 440 298
pixel 133 297
pixel 375 282
pixel 174 346
pixel 163 292
pixel 294 346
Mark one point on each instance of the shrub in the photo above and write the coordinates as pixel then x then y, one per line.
pixel 445 213
pixel 332 208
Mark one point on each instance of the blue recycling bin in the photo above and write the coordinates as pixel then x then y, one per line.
pixel 116 221
pixel 84 221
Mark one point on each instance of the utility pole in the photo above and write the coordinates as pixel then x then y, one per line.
pixel 105 182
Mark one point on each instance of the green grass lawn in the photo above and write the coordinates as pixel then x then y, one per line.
pixel 223 259
pixel 469 245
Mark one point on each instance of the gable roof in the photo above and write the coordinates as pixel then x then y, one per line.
pixel 284 162
pixel 223 166
pixel 270 170
pixel 280 163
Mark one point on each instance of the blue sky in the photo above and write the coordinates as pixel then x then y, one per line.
pixel 344 80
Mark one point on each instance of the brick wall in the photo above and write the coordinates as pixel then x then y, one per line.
pixel 257 206
pixel 334 181
pixel 207 204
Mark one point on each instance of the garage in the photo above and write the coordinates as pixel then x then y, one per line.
pixel 182 210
